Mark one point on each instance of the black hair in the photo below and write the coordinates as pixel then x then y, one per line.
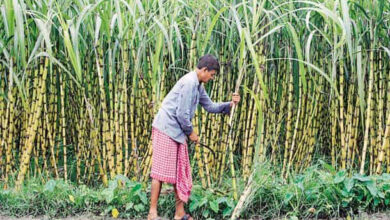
pixel 209 61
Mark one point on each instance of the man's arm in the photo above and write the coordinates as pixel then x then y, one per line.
pixel 210 106
pixel 183 111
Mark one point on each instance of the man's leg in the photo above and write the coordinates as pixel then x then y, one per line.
pixel 180 212
pixel 154 194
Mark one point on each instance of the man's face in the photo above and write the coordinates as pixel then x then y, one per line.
pixel 208 75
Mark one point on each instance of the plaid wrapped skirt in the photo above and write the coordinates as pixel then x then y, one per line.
pixel 171 164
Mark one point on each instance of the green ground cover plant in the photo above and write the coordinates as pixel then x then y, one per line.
pixel 318 192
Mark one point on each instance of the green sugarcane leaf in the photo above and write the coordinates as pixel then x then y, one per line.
pixel 298 49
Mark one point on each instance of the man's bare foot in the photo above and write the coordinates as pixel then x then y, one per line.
pixel 153 216
pixel 184 217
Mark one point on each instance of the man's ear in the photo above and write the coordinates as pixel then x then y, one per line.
pixel 204 69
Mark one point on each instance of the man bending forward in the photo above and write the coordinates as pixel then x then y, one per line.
pixel 172 127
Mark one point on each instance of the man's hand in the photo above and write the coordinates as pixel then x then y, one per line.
pixel 194 137
pixel 235 99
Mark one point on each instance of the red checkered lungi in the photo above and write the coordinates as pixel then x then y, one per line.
pixel 171 164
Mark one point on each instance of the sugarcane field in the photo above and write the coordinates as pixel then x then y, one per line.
pixel 195 109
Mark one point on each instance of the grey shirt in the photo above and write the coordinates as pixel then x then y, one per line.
pixel 178 107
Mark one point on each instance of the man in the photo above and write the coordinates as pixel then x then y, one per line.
pixel 171 128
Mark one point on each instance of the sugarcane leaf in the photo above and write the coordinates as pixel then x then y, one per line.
pixel 71 51
pixel 114 21
pixel 258 71
pixel 273 30
pixel 21 88
pixel 331 82
pixel 211 27
pixel 140 7
pixel 8 14
pixel 308 44
pixel 298 49
pixel 361 8
pixel 178 35
pixel 257 10
pixel 129 8
pixel 3 47
pixel 164 31
pixel 45 33
pixel 386 50
pixel 347 27
pixel 20 32
pixel 379 10
pixel 54 60
pixel 237 20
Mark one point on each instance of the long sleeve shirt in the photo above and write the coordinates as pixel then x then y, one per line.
pixel 178 107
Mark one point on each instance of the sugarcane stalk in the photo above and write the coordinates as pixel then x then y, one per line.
pixel 368 112
pixel 32 131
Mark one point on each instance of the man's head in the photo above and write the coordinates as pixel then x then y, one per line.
pixel 207 67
